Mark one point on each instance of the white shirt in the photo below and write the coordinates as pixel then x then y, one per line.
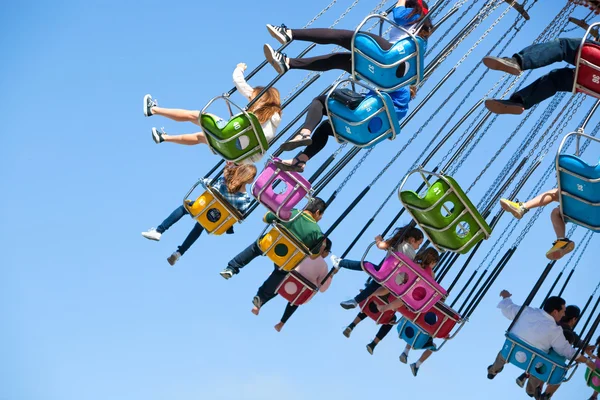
pixel 538 328
pixel 269 127
pixel 407 249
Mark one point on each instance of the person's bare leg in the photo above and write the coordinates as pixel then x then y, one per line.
pixel 558 223
pixel 542 199
pixel 551 389
pixel 426 354
pixel 189 139
pixel 177 114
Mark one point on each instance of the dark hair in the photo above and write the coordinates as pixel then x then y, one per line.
pixel 316 204
pixel 427 257
pixel 404 233
pixel 328 244
pixel 419 8
pixel 570 313
pixel 554 303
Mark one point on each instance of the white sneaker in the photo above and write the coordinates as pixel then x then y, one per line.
pixel 157 135
pixel 277 60
pixel 281 33
pixel 335 260
pixel 173 258
pixel 349 304
pixel 152 234
pixel 149 102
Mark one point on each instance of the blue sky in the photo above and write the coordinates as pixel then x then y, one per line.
pixel 91 310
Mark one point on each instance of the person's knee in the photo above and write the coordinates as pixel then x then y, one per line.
pixel 555 214
pixel 193 115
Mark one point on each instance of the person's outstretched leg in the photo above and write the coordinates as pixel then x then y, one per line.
pixel 404 355
pixel 340 37
pixel 241 260
pixel 522 379
pixel 314 115
pixel 369 290
pixel 268 289
pixel 536 56
pixel 177 114
pixel 563 245
pixel 176 215
pixel 187 243
pixel 383 331
pixel 415 367
pixel 359 317
pixel 519 209
pixel 496 367
pixel 318 142
pixel 534 387
pixel 290 309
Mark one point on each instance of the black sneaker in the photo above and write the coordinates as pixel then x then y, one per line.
pixel 371 348
pixel 504 107
pixel 149 102
pixel 278 60
pixel 505 64
pixel 157 135
pixel 227 273
pixel 281 33
pixel 414 369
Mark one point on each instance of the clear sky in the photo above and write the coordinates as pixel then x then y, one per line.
pixel 90 310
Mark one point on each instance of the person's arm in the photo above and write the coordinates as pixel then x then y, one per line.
pixel 393 305
pixel 240 82
pixel 380 243
pixel 508 308
pixel 269 217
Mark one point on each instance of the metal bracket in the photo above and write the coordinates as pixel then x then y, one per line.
pixel 519 8
pixel 585 26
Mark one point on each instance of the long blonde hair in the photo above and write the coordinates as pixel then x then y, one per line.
pixel 267 105
pixel 237 176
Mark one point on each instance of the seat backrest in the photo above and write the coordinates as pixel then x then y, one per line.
pixel 588 72
pixel 296 289
pixel 280 191
pixel 579 186
pixel 366 125
pixel 548 367
pixel 399 66
pixel 438 322
pixel 447 215
pixel 213 212
pixel 413 335
pixel 283 248
pixel 371 307
pixel 239 139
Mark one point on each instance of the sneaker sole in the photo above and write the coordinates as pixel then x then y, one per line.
pixel 403 360
pixel 146 98
pixel 225 275
pixel 347 333
pixel 276 35
pixel 508 208
pixel 499 108
pixel 288 167
pixel 560 253
pixel 370 350
pixel 291 145
pixel 155 136
pixel 501 65
pixel 151 238
pixel 268 51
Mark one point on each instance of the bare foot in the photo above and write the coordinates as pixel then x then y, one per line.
pixel 279 326
pixel 255 310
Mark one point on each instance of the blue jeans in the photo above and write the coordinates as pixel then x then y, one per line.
pixel 558 80
pixel 244 258
pixel 351 265
pixel 175 216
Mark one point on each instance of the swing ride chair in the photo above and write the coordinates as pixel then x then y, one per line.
pixel 440 322
pixel 592 378
pixel 372 121
pixel 578 185
pixel 371 306
pixel 405 280
pixel 449 219
pixel 281 204
pixel 296 289
pixel 550 368
pixel 378 67
pixel 225 141
pixel 282 247
pixel 587 66
pixel 212 210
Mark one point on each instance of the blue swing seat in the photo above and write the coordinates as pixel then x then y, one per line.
pixel 578 186
pixel 372 121
pixel 413 335
pixel 381 68
pixel 548 367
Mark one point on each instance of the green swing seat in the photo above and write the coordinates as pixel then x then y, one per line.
pixel 449 219
pixel 241 138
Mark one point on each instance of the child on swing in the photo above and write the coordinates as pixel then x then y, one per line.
pixel 267 109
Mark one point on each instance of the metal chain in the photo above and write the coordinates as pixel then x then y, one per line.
pixel 574 253
pixel 319 15
pixel 591 234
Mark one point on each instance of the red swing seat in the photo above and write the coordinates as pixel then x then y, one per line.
pixel 587 71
